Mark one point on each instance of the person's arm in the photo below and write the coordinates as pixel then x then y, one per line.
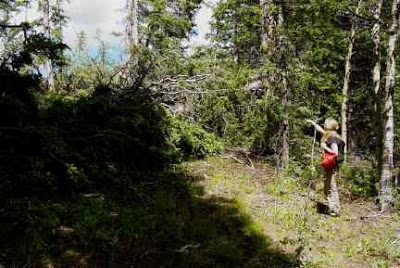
pixel 317 127
pixel 333 150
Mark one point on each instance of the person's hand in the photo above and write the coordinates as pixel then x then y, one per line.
pixel 309 121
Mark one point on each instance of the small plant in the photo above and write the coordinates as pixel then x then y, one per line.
pixel 189 140
pixel 360 179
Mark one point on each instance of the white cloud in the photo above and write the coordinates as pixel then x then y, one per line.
pixel 108 17
pixel 90 15
pixel 202 21
pixel 93 15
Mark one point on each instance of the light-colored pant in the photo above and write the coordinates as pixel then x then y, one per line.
pixel 331 191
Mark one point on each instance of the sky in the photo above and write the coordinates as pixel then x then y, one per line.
pixel 107 18
pixel 90 16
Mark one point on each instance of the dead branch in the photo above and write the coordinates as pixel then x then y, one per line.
pixel 378 215
pixel 24 25
pixel 236 159
pixel 243 152
pixel 190 92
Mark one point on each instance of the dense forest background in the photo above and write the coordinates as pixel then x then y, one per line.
pixel 92 147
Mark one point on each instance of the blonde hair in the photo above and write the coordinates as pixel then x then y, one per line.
pixel 330 126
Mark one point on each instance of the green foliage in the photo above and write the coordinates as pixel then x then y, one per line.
pixel 59 146
pixel 93 227
pixel 104 130
pixel 174 227
pixel 75 143
pixel 360 179
pixel 228 108
pixel 236 25
pixel 189 140
pixel 165 21
pixel 135 223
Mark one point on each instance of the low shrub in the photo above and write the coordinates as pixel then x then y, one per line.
pixel 189 140
pixel 359 178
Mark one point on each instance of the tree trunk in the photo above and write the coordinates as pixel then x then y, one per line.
pixel 47 34
pixel 236 50
pixel 132 33
pixel 376 36
pixel 268 46
pixel 273 46
pixel 60 70
pixel 346 82
pixel 282 67
pixel 268 25
pixel 386 199
pixel 376 78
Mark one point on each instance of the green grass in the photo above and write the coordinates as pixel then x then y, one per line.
pixel 174 222
pixel 211 213
pixel 280 210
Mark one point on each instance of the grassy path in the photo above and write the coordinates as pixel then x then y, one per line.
pixel 279 209
pixel 215 213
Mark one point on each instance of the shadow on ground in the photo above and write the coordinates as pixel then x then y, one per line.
pixel 170 225
pixel 91 182
pixel 188 230
pixel 321 208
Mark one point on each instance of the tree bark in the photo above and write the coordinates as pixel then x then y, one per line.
pixel 264 22
pixel 268 46
pixel 386 199
pixel 346 82
pixel 132 31
pixel 376 79
pixel 60 71
pixel 376 36
pixel 282 66
pixel 47 34
pixel 273 46
pixel 22 25
pixel 268 25
pixel 236 50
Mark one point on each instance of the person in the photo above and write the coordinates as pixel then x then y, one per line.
pixel 331 144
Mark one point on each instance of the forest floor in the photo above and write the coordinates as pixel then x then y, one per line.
pixel 279 209
pixel 221 212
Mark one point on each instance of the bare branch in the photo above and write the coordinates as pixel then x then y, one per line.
pixel 23 25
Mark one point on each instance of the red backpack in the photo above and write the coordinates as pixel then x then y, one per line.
pixel 329 161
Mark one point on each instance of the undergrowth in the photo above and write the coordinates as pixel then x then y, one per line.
pixel 173 225
pixel 85 177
